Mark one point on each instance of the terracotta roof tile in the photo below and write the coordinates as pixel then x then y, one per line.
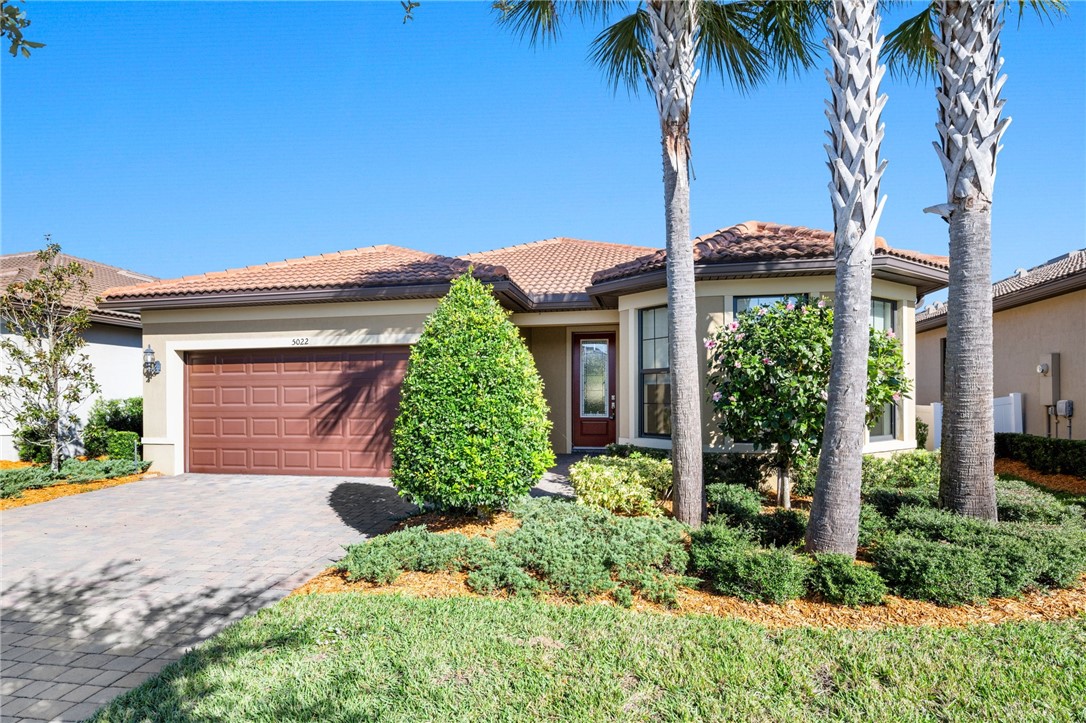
pixel 22 266
pixel 370 267
pixel 559 268
pixel 758 241
pixel 1070 264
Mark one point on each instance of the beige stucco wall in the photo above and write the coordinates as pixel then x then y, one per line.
pixel 714 305
pixel 172 333
pixel 1020 336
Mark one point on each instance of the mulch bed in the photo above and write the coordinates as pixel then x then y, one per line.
pixel 1056 482
pixel 895 611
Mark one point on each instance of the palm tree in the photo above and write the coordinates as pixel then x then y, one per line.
pixel 961 41
pixel 662 43
pixel 855 136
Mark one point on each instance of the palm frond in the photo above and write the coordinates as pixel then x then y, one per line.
pixel 541 20
pixel 621 51
pixel 910 47
pixel 729 45
pixel 1043 9
pixel 788 30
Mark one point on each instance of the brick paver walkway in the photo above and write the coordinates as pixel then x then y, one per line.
pixel 102 590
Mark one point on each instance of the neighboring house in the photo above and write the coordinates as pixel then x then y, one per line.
pixel 294 367
pixel 113 339
pixel 1035 313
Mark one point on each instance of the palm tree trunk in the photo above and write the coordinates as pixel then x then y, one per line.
pixel 672 77
pixel 970 129
pixel 856 135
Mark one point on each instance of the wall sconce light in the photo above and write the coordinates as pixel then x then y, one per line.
pixel 150 366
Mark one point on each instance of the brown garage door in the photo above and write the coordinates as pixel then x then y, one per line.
pixel 293 411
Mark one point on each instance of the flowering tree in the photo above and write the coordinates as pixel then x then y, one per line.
pixel 769 376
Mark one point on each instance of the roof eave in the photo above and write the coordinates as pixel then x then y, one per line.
pixel 275 296
pixel 925 278
pixel 1021 297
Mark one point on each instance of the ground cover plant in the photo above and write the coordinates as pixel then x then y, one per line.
pixel 571 550
pixel 13 482
pixel 357 657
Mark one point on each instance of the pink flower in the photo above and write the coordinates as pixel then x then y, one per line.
pixel 731 398
pixel 890 333
pixel 761 311
pixel 710 343
pixel 733 326
pixel 821 303
pixel 739 336
pixel 790 306
pixel 737 364
pixel 897 397
pixel 717 396
pixel 767 361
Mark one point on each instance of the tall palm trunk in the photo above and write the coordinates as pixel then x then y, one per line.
pixel 970 128
pixel 855 134
pixel 672 75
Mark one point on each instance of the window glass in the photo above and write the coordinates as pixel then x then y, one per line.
pixel 743 303
pixel 655 378
pixel 883 318
pixel 594 378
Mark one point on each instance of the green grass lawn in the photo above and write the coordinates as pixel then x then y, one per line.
pixel 355 657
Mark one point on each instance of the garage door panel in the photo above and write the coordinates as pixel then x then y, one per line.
pixel 293 411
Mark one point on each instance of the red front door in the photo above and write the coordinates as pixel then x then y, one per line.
pixel 594 389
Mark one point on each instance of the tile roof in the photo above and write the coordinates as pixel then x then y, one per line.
pixel 754 241
pixel 559 269
pixel 1024 281
pixel 381 266
pixel 22 266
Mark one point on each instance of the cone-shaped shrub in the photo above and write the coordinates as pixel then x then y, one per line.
pixel 473 429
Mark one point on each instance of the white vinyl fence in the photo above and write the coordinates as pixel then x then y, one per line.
pixel 1006 410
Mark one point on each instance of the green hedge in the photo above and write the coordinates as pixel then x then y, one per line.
pixel 1048 455
pixel 106 415
pixel 625 485
pixel 122 445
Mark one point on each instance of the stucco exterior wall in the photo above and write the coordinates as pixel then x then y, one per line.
pixel 1020 336
pixel 172 333
pixel 115 354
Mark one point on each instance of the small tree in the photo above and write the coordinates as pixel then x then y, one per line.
pixel 473 429
pixel 769 376
pixel 43 375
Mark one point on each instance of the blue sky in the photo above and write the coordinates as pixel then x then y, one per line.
pixel 179 138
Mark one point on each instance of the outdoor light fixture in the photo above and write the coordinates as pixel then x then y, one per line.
pixel 150 366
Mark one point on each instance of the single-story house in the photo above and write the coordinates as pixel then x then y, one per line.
pixel 294 367
pixel 1038 343
pixel 113 339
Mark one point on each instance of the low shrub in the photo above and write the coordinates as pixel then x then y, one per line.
pixel 624 485
pixel 14 481
pixel 733 503
pixel 780 528
pixel 922 430
pixel 714 539
pixel 940 572
pixel 905 470
pixel 382 559
pixel 570 549
pixel 28 442
pixel 887 502
pixel 873 526
pixel 123 415
pixel 717 467
pixel 1019 501
pixel 837 579
pixel 1048 455
pixel 775 575
pixel 122 445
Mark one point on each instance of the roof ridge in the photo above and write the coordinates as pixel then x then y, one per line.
pixel 118 269
pixel 555 240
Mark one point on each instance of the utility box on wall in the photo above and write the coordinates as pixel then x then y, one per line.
pixel 1049 372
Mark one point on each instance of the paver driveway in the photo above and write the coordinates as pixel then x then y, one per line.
pixel 102 590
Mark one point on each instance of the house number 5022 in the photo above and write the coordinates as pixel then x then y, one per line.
pixel 302 341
